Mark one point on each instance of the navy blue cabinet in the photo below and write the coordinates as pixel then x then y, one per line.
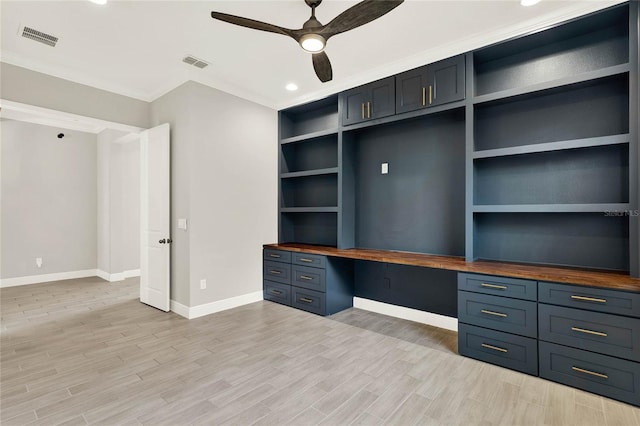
pixel 373 100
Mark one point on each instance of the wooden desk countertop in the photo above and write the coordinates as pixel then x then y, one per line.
pixel 610 280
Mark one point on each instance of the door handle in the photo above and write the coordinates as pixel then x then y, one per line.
pixel 162 241
pixel 165 241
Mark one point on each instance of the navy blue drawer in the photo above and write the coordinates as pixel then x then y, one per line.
pixel 601 374
pixel 604 333
pixel 591 298
pixel 311 278
pixel 277 292
pixel 308 300
pixel 498 313
pixel 277 255
pixel 304 259
pixel 276 271
pixel 507 350
pixel 499 286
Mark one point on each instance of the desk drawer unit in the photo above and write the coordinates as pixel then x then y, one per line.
pixel 305 259
pixel 600 374
pixel 308 300
pixel 498 286
pixel 603 333
pixel 277 292
pixel 277 255
pixel 590 298
pixel 277 271
pixel 498 313
pixel 311 278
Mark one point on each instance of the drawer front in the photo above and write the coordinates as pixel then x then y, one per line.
pixel 601 374
pixel 277 255
pixel 507 350
pixel 593 299
pixel 499 286
pixel 315 260
pixel 277 292
pixel 311 278
pixel 498 313
pixel 276 271
pixel 603 333
pixel 308 300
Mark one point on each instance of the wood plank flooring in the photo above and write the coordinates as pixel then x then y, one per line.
pixel 87 352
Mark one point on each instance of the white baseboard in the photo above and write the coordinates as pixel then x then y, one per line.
pixel 422 317
pixel 118 276
pixel 44 278
pixel 132 273
pixel 213 307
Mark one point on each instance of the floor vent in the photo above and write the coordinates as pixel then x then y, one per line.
pixel 39 36
pixel 192 60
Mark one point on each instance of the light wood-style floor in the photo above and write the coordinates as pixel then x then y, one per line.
pixel 87 352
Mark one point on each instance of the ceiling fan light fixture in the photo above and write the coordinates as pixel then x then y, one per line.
pixel 313 43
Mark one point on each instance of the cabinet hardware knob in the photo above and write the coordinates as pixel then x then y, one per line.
pixel 499 287
pixel 273 271
pixel 276 292
pixel 306 300
pixel 497 314
pixel 583 330
pixel 589 299
pixel 304 259
pixel 430 94
pixel 495 348
pixel 304 277
pixel 277 256
pixel 592 373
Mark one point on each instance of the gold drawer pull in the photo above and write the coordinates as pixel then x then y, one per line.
pixel 363 110
pixel 497 314
pixel 582 330
pixel 306 300
pixel 430 94
pixel 275 292
pixel 495 348
pixel 499 287
pixel 304 259
pixel 593 373
pixel 277 256
pixel 424 96
pixel 589 299
pixel 304 277
pixel 273 271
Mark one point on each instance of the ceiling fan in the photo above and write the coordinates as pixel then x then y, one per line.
pixel 313 36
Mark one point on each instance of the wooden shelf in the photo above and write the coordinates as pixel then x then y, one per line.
pixel 553 146
pixel 308 210
pixel 317 172
pixel 551 208
pixel 611 280
pixel 312 135
pixel 552 84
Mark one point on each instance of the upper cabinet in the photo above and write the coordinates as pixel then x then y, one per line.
pixel 431 85
pixel 373 100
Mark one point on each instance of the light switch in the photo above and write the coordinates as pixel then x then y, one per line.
pixel 182 224
pixel 384 169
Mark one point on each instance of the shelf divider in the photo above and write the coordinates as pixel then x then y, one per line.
pixel 316 172
pixel 330 209
pixel 312 135
pixel 553 208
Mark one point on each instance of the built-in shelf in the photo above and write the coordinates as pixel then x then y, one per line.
pixel 553 146
pixel 308 136
pixel 606 208
pixel 308 209
pixel 553 84
pixel 317 172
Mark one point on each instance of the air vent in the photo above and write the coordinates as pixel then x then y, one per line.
pixel 39 36
pixel 192 60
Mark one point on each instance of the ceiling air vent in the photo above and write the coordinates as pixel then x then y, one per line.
pixel 36 35
pixel 192 60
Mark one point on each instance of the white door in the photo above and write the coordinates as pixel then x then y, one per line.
pixel 155 249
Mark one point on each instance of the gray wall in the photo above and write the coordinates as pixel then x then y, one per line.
pixel 223 158
pixel 34 88
pixel 48 208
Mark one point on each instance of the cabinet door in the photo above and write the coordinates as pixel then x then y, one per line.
pixel 353 105
pixel 411 90
pixel 382 98
pixel 446 81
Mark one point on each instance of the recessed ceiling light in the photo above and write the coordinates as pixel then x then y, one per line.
pixel 98 1
pixel 529 2
pixel 291 87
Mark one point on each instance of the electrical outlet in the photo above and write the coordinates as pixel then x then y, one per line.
pixel 203 284
pixel 39 262
pixel 384 169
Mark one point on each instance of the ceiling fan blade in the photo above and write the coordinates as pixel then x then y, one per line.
pixel 360 14
pixel 322 66
pixel 250 23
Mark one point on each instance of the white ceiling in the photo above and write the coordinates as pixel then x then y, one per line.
pixel 136 48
